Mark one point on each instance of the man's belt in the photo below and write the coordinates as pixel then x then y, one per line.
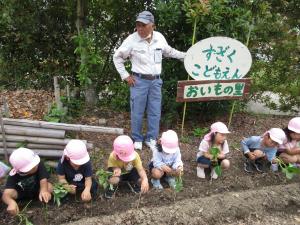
pixel 146 76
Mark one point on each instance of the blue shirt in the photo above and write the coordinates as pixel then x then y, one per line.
pixel 163 159
pixel 254 142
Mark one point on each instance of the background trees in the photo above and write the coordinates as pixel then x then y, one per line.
pixel 39 40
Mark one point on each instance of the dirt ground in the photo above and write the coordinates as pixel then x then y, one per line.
pixel 234 198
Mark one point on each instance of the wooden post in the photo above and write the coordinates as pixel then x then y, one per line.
pixel 4 138
pixel 57 93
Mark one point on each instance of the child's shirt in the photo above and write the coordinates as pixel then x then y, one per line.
pixel 255 142
pixel 29 182
pixel 288 145
pixel 75 177
pixel 206 145
pixel 3 169
pixel 160 158
pixel 113 161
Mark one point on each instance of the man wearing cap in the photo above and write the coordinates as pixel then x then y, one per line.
pixel 144 48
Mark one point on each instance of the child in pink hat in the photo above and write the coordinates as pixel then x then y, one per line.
pixel 126 165
pixel 27 179
pixel 260 151
pixel 217 137
pixel 75 170
pixel 290 150
pixel 166 161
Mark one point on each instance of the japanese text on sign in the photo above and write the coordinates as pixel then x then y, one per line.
pixel 218 58
pixel 214 90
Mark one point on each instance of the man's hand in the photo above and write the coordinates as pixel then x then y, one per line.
pixel 130 80
pixel 71 188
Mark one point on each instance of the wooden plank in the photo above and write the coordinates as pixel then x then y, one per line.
pixel 40 152
pixel 35 132
pixel 62 126
pixel 37 140
pixel 41 146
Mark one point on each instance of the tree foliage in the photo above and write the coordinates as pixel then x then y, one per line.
pixel 39 40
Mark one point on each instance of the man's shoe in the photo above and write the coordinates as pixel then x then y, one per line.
pixel 151 144
pixel 138 145
pixel 171 181
pixel 213 174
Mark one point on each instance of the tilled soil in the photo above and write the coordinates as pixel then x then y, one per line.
pixel 234 198
pixel 277 205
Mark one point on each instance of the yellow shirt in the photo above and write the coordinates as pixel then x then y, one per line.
pixel 113 161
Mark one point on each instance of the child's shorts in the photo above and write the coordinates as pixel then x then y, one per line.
pixel 132 175
pixel 205 161
pixel 28 194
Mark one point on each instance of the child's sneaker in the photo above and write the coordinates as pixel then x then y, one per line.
pixel 109 193
pixel 262 166
pixel 213 174
pixel 135 188
pixel 171 181
pixel 249 166
pixel 156 183
pixel 200 172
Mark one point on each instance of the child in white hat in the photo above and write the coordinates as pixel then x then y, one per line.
pixel 166 161
pixel 27 179
pixel 75 170
pixel 217 137
pixel 260 151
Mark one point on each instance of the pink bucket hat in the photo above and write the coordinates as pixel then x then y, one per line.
pixel 294 125
pixel 77 152
pixel 169 142
pixel 277 135
pixel 123 148
pixel 216 127
pixel 23 160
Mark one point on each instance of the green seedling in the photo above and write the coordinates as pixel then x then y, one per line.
pixel 179 183
pixel 103 177
pixel 217 167
pixel 22 216
pixel 288 169
pixel 199 132
pixel 59 192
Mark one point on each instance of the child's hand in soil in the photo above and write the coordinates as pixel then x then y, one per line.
pixel 71 188
pixel 178 171
pixel 117 172
pixel 144 186
pixel 86 195
pixel 13 208
pixel 44 196
pixel 251 155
